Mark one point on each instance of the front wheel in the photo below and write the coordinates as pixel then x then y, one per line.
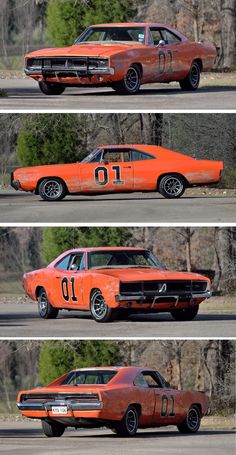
pixel 192 80
pixel 53 429
pixel 192 421
pixel 128 426
pixel 172 186
pixel 186 314
pixel 52 189
pixel 130 84
pixel 45 309
pixel 100 311
pixel 51 89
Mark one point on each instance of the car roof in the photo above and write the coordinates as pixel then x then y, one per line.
pixel 106 248
pixel 131 24
pixel 154 149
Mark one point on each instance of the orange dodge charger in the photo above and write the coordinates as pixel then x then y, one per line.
pixel 122 56
pixel 112 281
pixel 119 168
pixel 120 398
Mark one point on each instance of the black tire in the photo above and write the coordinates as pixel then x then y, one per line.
pixel 100 311
pixel 45 309
pixel 52 189
pixel 192 422
pixel 172 186
pixel 131 83
pixel 53 429
pixel 186 314
pixel 51 89
pixel 128 426
pixel 192 80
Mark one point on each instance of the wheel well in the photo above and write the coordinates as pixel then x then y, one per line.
pixel 140 67
pixel 199 61
pixel 172 173
pixel 198 405
pixel 138 407
pixel 49 177
pixel 37 290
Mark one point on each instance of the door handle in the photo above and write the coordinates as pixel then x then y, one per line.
pixel 127 167
pixel 58 276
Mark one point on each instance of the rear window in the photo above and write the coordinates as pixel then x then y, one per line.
pixel 89 377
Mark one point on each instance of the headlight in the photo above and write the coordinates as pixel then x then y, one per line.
pixel 34 63
pixel 98 63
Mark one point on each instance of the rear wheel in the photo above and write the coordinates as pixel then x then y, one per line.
pixel 172 186
pixel 128 426
pixel 186 314
pixel 52 189
pixel 100 311
pixel 53 429
pixel 51 89
pixel 131 83
pixel 45 309
pixel 192 422
pixel 192 80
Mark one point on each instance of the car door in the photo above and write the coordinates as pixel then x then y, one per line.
pixel 113 173
pixel 68 277
pixel 167 54
pixel 146 171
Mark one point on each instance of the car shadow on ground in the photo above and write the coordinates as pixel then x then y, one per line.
pixel 157 317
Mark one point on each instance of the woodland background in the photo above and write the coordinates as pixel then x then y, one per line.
pixel 207 365
pixel 31 139
pixel 30 24
pixel 207 250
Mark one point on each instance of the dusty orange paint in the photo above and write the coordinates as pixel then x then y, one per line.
pixel 117 395
pixel 140 175
pixel 122 55
pixel 108 281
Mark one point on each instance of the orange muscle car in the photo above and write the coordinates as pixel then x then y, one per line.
pixel 109 281
pixel 122 56
pixel 119 168
pixel 120 398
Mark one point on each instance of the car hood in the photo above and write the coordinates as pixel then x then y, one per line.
pixel 31 170
pixel 90 50
pixel 150 274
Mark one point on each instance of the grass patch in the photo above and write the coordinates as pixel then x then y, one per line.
pixel 222 304
pixel 11 286
pixel 218 422
pixel 229 178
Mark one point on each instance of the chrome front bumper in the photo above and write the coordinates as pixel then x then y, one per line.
pixel 78 71
pixel 142 296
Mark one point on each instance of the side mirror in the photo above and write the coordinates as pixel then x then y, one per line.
pixel 105 162
pixel 74 268
pixel 161 43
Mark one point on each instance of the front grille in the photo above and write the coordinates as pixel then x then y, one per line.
pixel 44 397
pixel 67 63
pixel 172 286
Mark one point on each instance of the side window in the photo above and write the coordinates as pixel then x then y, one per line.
pixel 169 37
pixel 75 261
pixel 139 156
pixel 148 379
pixel 156 36
pixel 96 158
pixel 112 157
pixel 63 263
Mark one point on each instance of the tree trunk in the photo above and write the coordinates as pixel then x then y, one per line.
pixel 228 32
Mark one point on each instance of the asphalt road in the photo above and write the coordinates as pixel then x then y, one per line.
pixel 136 207
pixel 25 94
pixel 26 438
pixel 22 320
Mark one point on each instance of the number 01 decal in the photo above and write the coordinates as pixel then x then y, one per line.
pixel 101 175
pixel 66 289
pixel 165 405
pixel 163 58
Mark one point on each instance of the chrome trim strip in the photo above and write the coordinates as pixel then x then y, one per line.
pixel 142 296
pixel 70 405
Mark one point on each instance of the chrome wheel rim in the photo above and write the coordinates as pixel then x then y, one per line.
pixel 193 419
pixel 98 306
pixel 173 186
pixel 52 189
pixel 43 303
pixel 132 79
pixel 194 75
pixel 131 421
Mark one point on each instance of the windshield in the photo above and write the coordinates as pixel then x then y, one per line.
pixel 122 258
pixel 90 156
pixel 111 34
pixel 89 377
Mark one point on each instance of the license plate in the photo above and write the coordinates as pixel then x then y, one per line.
pixel 59 409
